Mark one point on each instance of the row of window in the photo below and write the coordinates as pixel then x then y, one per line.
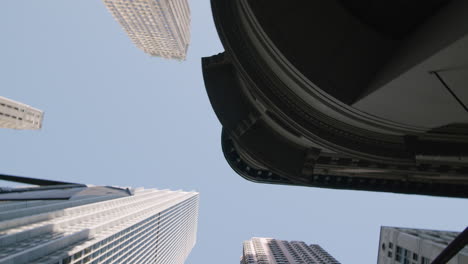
pixel 12 116
pixel 17 109
pixel 9 106
pixel 405 256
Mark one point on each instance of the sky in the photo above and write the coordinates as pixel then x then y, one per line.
pixel 116 116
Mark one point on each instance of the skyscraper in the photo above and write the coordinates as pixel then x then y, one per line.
pixel 273 251
pixel 343 94
pixel 158 27
pixel 19 116
pixel 415 246
pixel 65 223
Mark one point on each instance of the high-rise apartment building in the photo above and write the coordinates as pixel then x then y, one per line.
pixel 19 116
pixel 65 223
pixel 260 250
pixel 158 27
pixel 415 246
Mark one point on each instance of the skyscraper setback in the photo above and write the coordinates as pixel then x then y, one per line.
pixel 65 223
pixel 261 250
pixel 17 115
pixel 158 27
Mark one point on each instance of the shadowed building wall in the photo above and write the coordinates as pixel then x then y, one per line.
pixel 363 95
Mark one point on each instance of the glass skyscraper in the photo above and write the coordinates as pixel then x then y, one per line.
pixel 158 27
pixel 65 223
pixel 260 250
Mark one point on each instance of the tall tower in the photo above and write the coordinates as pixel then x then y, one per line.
pixel 67 223
pixel 415 246
pixel 272 251
pixel 19 116
pixel 158 27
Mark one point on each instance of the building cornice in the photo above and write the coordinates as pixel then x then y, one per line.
pixel 343 182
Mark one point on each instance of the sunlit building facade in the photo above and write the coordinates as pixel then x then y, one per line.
pixel 158 27
pixel 74 223
pixel 260 250
pixel 19 116
pixel 416 246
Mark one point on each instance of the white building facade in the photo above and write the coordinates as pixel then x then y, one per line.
pixel 158 27
pixel 19 116
pixel 415 246
pixel 141 226
pixel 260 250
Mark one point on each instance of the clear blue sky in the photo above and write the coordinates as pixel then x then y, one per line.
pixel 115 116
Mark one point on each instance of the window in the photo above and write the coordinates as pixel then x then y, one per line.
pixel 398 255
pixel 415 256
pixel 77 255
pixel 390 245
pixel 425 260
pixel 389 254
pixel 86 251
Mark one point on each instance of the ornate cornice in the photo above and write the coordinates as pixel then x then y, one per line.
pixel 252 173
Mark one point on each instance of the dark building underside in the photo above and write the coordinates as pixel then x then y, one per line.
pixel 295 86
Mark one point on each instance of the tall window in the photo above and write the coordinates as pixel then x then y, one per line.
pixel 405 256
pixel 425 260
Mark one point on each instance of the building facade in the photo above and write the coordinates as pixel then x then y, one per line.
pixel 158 27
pixel 415 246
pixel 273 251
pixel 74 223
pixel 19 116
pixel 371 98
